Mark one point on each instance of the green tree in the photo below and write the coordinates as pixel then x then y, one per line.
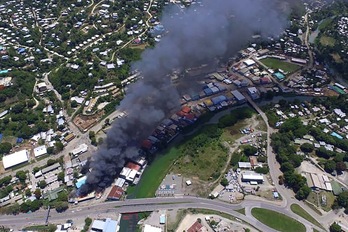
pixel 36 169
pixel 330 166
pixel 303 193
pixel 249 150
pixel 28 192
pixel 5 147
pixel 37 193
pixel 263 170
pixel 61 176
pixel 342 199
pixel 21 175
pixel 307 147
pixel 25 206
pixel 73 104
pixel 59 146
pixel 51 162
pixel 62 196
pixel 5 181
pixel 35 205
pixel 341 166
pixel 18 108
pixel 224 182
pixel 287 167
pixel 50 150
pixel 88 221
pixel 42 184
pixel 335 228
pixel 91 134
pixel 61 206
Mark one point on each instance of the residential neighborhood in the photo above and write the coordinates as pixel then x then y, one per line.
pixel 108 122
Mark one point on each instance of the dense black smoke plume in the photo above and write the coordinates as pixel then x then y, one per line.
pixel 203 31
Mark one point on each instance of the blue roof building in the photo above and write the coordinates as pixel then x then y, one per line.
pixel 279 76
pixel 334 134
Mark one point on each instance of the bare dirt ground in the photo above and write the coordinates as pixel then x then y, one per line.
pixel 84 122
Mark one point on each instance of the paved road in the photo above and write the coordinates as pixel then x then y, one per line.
pixel 149 204
pixel 310 52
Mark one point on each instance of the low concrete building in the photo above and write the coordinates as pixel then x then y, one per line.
pixel 252 177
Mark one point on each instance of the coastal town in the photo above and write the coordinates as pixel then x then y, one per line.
pixel 271 122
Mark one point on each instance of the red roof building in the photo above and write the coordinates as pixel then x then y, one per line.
pixel 265 80
pixel 133 166
pixel 196 227
pixel 186 109
pixel 115 194
pixel 190 117
pixel 181 114
pixel 146 144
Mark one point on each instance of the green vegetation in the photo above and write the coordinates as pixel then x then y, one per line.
pixel 192 157
pixel 335 228
pixel 277 220
pixel 44 228
pixel 282 143
pixel 327 41
pixel 153 175
pixel 242 211
pixel 278 64
pixel 325 24
pixel 301 212
pixel 88 222
pixel 202 155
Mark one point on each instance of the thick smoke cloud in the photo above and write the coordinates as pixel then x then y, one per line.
pixel 203 31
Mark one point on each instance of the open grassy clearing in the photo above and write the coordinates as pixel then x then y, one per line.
pixel 277 220
pixel 337 58
pixel 317 200
pixel 327 41
pixel 301 212
pixel 205 163
pixel 278 64
pixel 200 155
pixel 324 24
pixel 153 175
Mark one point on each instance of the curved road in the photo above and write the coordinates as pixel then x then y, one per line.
pixel 150 204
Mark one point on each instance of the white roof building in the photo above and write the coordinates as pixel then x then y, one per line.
pixel 80 149
pixel 252 176
pixel 15 158
pixel 150 228
pixel 249 62
pixel 128 174
pixel 39 151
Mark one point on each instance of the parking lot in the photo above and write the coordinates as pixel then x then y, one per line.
pixel 171 185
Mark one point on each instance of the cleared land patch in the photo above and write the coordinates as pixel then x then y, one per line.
pixel 277 220
pixel 200 155
pixel 327 41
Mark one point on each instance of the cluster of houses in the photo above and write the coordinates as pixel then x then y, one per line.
pixel 343 27
pixel 130 175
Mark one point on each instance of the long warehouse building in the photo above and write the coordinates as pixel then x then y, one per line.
pixel 16 158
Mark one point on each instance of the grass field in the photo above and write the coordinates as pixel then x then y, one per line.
pixel 45 228
pixel 242 211
pixel 277 220
pixel 324 24
pixel 278 64
pixel 207 161
pixel 301 212
pixel 327 41
pixel 316 199
pixel 153 175
pixel 200 155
